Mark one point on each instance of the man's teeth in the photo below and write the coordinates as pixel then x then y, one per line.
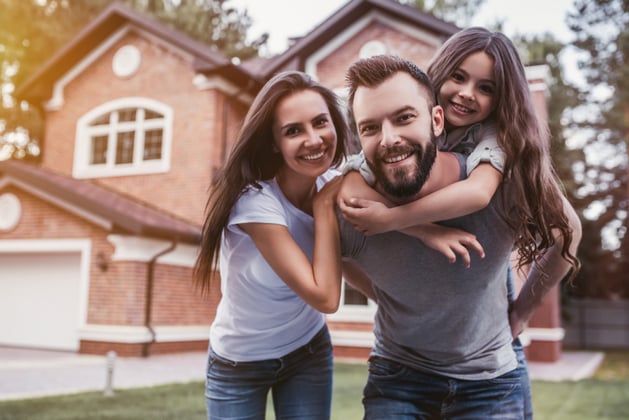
pixel 397 158
pixel 315 156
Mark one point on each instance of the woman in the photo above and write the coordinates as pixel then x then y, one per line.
pixel 269 332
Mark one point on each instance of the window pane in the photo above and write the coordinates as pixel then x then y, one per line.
pixel 102 120
pixel 151 115
pixel 354 297
pixel 127 114
pixel 153 144
pixel 99 150
pixel 124 147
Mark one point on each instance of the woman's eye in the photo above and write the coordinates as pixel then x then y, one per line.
pixel 291 131
pixel 321 122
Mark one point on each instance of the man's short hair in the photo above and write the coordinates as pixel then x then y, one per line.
pixel 371 72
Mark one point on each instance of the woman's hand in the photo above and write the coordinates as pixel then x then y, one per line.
pixel 327 196
pixel 448 241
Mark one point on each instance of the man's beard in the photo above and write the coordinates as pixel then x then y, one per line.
pixel 403 183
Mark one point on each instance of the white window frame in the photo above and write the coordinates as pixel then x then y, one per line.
pixel 353 313
pixel 84 133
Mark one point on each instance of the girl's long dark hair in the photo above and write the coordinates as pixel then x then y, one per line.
pixel 525 140
pixel 253 159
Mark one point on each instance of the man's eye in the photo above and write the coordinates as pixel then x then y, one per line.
pixel 366 129
pixel 406 117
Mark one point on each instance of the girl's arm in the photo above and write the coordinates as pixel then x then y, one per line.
pixel 544 274
pixel 457 199
pixel 448 241
pixel 319 283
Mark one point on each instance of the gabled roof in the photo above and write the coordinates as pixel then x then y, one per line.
pixel 39 85
pixel 344 17
pixel 126 215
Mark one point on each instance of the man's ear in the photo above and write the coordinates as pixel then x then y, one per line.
pixel 438 120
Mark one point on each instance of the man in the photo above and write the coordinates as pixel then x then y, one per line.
pixel 443 339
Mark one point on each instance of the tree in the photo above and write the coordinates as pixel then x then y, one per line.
pixel 27 43
pixel 563 96
pixel 459 12
pixel 601 36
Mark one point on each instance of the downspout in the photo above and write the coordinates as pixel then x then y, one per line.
pixel 148 305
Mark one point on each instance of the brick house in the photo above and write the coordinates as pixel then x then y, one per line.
pixel 98 240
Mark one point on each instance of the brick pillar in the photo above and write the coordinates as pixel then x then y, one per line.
pixel 544 330
pixel 544 333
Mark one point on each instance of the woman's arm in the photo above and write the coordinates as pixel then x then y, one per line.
pixel 455 200
pixel 319 283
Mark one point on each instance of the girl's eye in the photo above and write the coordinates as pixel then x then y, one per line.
pixel 487 89
pixel 458 77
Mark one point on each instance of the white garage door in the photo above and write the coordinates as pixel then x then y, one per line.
pixel 39 299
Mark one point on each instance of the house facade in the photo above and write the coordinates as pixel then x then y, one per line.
pixel 98 240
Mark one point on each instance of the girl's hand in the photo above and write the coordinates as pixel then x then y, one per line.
pixel 367 216
pixel 448 241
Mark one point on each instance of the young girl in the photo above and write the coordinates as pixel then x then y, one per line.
pixel 269 332
pixel 489 117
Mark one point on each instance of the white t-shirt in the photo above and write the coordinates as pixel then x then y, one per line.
pixel 259 317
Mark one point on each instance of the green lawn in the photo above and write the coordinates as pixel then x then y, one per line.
pixel 606 396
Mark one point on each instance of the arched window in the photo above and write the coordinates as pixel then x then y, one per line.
pixel 127 136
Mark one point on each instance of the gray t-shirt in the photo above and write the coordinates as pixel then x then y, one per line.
pixel 435 316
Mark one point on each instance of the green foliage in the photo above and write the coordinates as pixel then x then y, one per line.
pixel 602 39
pixel 459 12
pixel 563 96
pixel 606 396
pixel 31 31
pixel 583 400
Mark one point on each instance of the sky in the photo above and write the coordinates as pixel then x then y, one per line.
pixel 283 19
pixel 286 18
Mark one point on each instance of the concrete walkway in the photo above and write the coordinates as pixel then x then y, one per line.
pixel 27 373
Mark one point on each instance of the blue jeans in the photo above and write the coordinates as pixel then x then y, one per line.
pixel 523 370
pixel 395 391
pixel 519 353
pixel 300 383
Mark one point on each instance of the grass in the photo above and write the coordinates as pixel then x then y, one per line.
pixel 605 396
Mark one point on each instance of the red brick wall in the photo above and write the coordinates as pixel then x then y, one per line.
pixel 331 70
pixel 177 302
pixel 117 296
pixel 197 144
pixel 41 220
